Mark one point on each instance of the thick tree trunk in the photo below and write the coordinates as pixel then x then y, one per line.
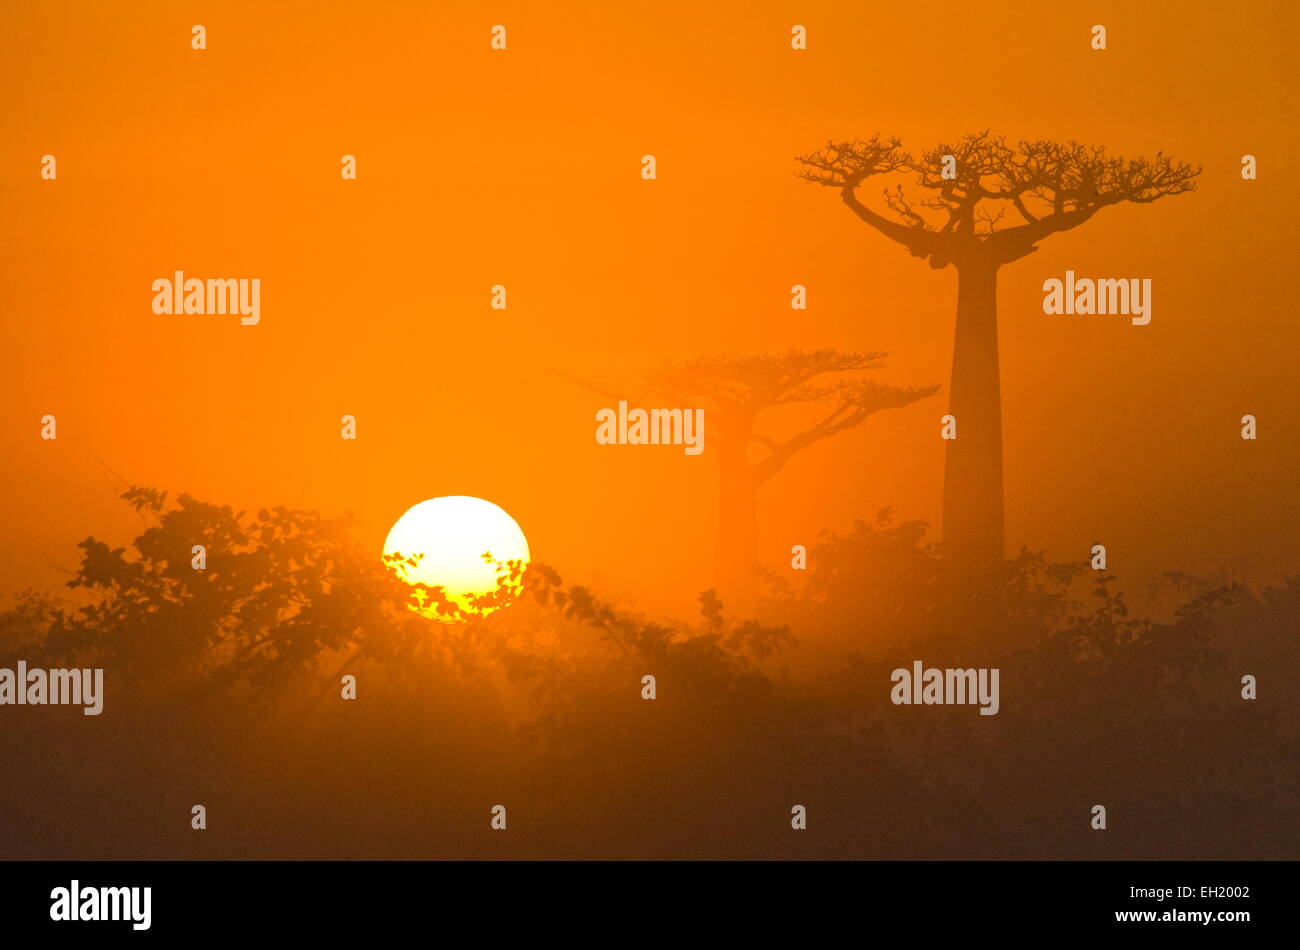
pixel 972 478
pixel 737 544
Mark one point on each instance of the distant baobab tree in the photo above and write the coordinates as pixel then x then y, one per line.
pixel 958 220
pixel 734 391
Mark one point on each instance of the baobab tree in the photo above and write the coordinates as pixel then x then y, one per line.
pixel 734 391
pixel 983 203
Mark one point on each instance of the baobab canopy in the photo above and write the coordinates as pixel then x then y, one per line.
pixel 982 197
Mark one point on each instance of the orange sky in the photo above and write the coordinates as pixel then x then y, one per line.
pixel 522 168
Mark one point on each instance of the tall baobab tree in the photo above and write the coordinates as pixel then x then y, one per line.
pixel 734 391
pixel 983 203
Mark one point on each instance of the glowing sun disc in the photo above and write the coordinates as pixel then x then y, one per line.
pixel 452 533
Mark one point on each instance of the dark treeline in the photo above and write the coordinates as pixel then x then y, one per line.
pixel 222 688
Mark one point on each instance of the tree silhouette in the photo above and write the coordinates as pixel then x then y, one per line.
pixel 1047 187
pixel 734 391
pixel 278 590
pixel 227 680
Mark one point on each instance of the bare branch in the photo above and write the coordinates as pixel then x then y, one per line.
pixel 845 165
pixel 864 399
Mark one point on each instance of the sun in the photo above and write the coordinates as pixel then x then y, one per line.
pixel 450 535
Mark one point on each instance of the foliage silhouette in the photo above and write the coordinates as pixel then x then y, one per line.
pixel 222 688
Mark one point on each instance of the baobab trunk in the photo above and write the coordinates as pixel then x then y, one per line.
pixel 737 545
pixel 972 478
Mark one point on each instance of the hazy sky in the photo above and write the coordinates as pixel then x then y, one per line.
pixel 522 168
